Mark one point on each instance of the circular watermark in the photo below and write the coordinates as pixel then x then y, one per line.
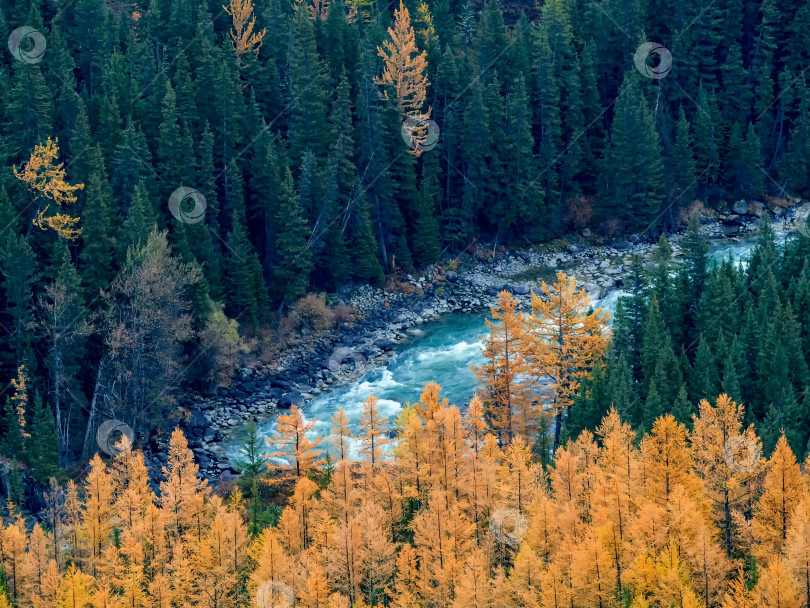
pixel 655 71
pixel 508 526
pixel 802 216
pixel 273 594
pixel 182 212
pixel 741 453
pixel 428 133
pixel 349 361
pixel 109 434
pixel 27 44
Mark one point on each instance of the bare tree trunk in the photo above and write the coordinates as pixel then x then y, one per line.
pixel 93 409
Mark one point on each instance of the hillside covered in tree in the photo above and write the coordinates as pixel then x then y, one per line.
pixel 173 173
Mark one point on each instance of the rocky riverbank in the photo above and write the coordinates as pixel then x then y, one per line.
pixel 333 358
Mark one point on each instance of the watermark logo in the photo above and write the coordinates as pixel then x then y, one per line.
pixel 27 44
pixel 802 216
pixel 109 435
pixel 273 594
pixel 349 361
pixel 420 133
pixel 660 68
pixel 180 208
pixel 508 526
pixel 741 453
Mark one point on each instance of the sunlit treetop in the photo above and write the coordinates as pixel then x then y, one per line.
pixel 45 178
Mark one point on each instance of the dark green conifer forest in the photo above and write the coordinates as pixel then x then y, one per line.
pixel 305 180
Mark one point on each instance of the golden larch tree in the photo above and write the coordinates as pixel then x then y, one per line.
pixel 373 429
pixel 506 391
pixel 797 548
pixel 183 494
pixel 243 38
pixel 316 593
pixel 377 552
pixel 710 566
pixel 341 435
pixel 75 589
pixel 592 570
pixel 776 587
pixel 783 487
pixel 476 426
pixel 667 459
pixel 291 442
pixel 319 9
pixel 36 565
pixel 19 400
pixel 270 557
pixel 14 544
pixel 738 594
pixel 404 75
pixel 97 518
pixel 47 182
pixel 716 429
pixel 566 338
pixel 617 462
pixel 475 586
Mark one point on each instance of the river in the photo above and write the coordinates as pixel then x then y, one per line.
pixel 450 346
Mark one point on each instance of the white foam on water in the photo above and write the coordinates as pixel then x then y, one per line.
pixel 456 352
pixel 384 382
pixel 610 301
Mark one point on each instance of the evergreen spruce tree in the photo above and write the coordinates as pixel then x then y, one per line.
pixel 631 311
pixel 138 224
pixel 682 409
pixel 11 443
pixel 682 167
pixel 784 416
pixel 364 247
pixel 29 109
pixel 621 392
pixel 308 86
pixel 98 228
pixel 240 275
pixel 19 271
pixel 426 227
pixel 633 169
pixel 730 384
pixel 696 267
pixel 251 464
pixel 292 272
pixel 591 404
pixel 655 337
pixel 704 374
pixel 42 446
pixel 653 408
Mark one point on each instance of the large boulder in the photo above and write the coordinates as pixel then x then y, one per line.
pixel 384 343
pixel 291 399
pixel 740 207
pixel 196 422
pixel 732 220
pixel 415 333
pixel 282 383
pixel 757 209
